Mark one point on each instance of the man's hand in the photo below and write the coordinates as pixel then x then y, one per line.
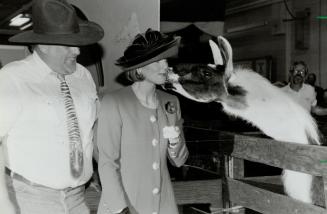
pixel 7 206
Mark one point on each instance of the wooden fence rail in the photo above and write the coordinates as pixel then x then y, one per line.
pixel 304 158
pixel 262 194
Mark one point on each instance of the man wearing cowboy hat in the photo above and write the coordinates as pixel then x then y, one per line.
pixel 48 109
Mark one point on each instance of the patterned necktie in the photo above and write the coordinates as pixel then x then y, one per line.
pixel 75 143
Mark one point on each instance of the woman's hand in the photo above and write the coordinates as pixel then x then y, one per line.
pixel 172 133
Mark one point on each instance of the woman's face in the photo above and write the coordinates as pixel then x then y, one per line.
pixel 156 72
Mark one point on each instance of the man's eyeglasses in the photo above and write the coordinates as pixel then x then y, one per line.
pixel 300 72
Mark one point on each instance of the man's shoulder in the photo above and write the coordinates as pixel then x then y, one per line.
pixel 308 87
pixel 82 70
pixel 84 74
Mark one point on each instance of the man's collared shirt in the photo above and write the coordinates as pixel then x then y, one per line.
pixel 306 96
pixel 33 125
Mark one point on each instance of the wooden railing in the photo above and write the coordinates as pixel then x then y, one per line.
pixel 262 194
pixel 304 158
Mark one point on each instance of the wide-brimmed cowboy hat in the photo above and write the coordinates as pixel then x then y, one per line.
pixel 55 22
pixel 146 48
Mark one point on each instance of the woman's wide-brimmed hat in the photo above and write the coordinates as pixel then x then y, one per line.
pixel 55 22
pixel 146 48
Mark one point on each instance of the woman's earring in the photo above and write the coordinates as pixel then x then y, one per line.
pixel 135 75
pixel 138 74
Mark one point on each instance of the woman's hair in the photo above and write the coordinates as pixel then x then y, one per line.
pixel 134 75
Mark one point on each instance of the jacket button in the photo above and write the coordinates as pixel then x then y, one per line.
pixel 155 191
pixel 153 119
pixel 155 166
pixel 154 213
pixel 154 142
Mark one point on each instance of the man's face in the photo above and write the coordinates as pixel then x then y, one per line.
pixel 298 74
pixel 61 59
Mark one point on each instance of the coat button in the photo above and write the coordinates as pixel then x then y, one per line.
pixel 154 213
pixel 154 142
pixel 155 166
pixel 153 119
pixel 155 191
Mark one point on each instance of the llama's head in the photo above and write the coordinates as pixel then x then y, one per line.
pixel 205 83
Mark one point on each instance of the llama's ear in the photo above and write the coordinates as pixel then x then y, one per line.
pixel 218 59
pixel 228 53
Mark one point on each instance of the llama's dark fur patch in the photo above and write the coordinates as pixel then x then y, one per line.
pixel 236 90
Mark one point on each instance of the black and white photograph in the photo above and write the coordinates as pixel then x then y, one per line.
pixel 163 106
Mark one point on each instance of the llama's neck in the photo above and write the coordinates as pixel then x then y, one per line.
pixel 269 109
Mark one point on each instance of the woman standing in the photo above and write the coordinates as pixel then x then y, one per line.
pixel 139 127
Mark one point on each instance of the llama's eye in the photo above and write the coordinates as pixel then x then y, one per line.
pixel 207 74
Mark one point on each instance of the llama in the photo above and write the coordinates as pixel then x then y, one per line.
pixel 247 95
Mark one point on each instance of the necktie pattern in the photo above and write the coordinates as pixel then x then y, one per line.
pixel 75 143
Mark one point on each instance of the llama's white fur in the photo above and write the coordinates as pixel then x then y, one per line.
pixel 279 117
pixel 269 109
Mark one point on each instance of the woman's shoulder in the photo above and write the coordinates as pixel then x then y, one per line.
pixel 166 95
pixel 117 95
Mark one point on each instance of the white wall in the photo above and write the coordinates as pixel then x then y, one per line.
pixel 9 53
pixel 113 16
